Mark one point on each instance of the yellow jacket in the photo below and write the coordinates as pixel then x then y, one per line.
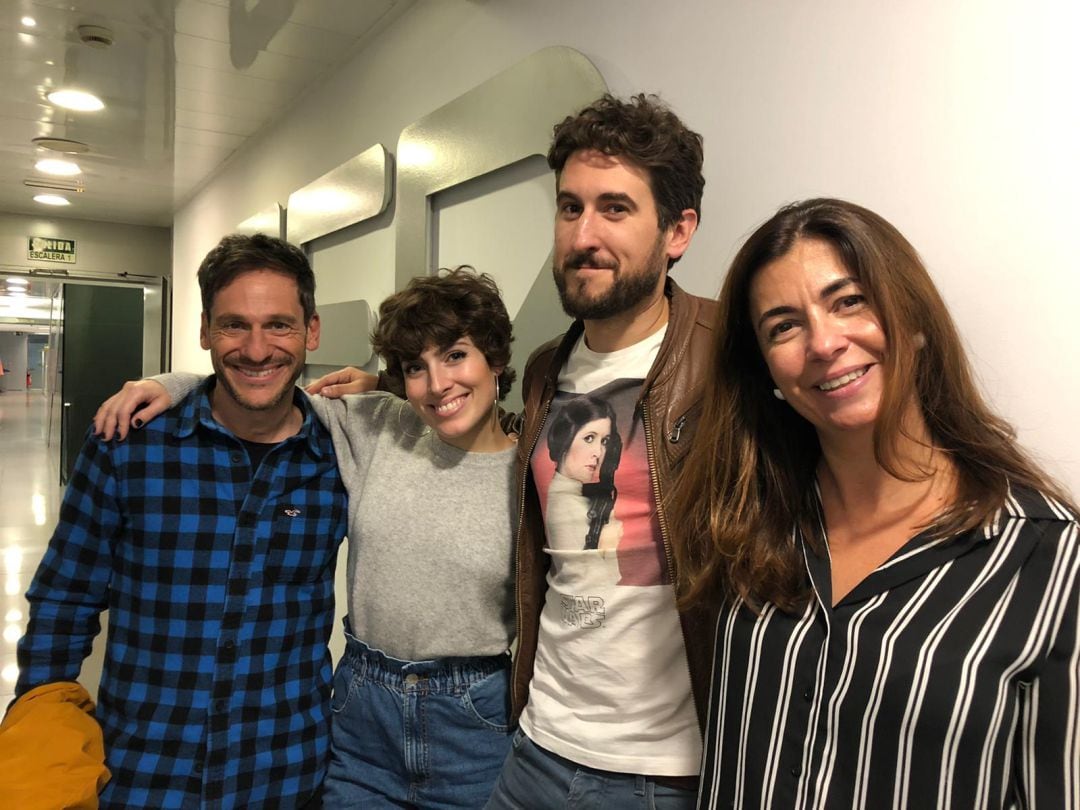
pixel 52 750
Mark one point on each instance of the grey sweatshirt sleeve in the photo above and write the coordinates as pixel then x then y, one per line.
pixel 178 384
pixel 325 410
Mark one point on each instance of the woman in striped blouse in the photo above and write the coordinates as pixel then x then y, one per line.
pixel 901 582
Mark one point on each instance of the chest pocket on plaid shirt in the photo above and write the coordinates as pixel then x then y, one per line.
pixel 298 552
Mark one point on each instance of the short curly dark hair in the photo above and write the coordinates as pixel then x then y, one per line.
pixel 240 253
pixel 438 311
pixel 647 132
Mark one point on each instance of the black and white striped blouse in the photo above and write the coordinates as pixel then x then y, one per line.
pixel 948 678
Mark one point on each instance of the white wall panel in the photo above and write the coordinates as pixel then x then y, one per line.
pixel 501 225
pixel 954 119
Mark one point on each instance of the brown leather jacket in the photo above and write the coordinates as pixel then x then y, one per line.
pixel 671 403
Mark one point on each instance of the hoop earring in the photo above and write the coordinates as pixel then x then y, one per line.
pixel 495 406
pixel 776 392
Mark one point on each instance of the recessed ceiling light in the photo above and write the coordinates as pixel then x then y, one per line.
pixel 29 22
pixel 76 100
pixel 63 168
pixel 51 199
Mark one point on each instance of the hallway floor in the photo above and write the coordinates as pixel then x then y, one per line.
pixel 29 505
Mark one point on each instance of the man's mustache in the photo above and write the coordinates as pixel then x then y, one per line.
pixel 258 365
pixel 587 258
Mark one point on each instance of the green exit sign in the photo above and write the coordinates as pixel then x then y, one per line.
pixel 49 249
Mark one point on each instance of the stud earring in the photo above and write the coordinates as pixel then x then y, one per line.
pixel 776 392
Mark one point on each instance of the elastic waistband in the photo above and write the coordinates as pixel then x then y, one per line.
pixel 437 675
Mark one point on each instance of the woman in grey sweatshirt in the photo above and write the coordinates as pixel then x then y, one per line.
pixel 421 694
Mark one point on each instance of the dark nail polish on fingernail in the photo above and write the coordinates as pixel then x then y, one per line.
pixel 137 422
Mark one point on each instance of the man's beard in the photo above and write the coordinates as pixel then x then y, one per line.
pixel 629 287
pixel 240 399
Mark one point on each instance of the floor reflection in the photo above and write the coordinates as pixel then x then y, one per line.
pixel 29 505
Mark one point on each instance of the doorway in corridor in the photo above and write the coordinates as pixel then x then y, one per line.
pixel 102 347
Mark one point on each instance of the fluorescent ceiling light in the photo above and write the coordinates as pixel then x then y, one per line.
pixel 76 100
pixel 18 282
pixel 64 168
pixel 29 22
pixel 51 199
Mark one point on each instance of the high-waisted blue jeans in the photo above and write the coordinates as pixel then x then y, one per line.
pixel 424 734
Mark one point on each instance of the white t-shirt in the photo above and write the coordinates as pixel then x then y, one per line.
pixel 611 685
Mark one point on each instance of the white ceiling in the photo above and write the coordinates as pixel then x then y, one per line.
pixel 185 83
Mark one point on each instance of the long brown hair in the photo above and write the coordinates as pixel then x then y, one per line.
pixel 748 481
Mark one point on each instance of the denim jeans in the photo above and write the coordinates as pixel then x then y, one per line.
pixel 536 779
pixel 424 734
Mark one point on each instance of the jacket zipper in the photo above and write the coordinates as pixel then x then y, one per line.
pixel 655 480
pixel 676 430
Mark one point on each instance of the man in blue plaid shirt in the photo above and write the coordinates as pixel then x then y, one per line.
pixel 211 537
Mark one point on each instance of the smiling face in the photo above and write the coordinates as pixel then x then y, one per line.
pixel 822 342
pixel 610 253
pixel 587 451
pixel 453 391
pixel 258 342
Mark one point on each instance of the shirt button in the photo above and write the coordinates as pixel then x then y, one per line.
pixel 229 644
pixel 795 770
pixel 808 695
pixel 236 458
pixel 219 705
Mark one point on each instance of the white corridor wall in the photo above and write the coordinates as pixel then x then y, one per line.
pixel 955 119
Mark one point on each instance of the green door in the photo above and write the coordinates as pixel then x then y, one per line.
pixel 102 348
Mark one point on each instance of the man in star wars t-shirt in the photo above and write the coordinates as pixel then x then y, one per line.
pixel 609 677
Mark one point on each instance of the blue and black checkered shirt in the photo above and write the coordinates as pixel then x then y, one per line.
pixel 219 584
